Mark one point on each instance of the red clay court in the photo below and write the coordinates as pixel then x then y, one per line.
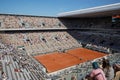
pixel 56 61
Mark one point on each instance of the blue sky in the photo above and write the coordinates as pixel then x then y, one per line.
pixel 48 7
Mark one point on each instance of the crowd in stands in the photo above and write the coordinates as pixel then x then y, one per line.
pixel 19 22
pixel 89 23
pixel 23 22
pixel 17 65
pixel 98 41
pixel 98 48
pixel 22 60
pixel 40 42
pixel 23 66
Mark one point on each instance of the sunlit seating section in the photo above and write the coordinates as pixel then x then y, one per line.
pixel 17 65
pixel 44 22
pixel 41 42
pixel 26 22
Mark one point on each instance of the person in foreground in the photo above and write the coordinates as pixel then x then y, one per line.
pixel 117 71
pixel 108 70
pixel 97 73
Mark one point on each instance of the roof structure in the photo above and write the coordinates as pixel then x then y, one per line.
pixel 100 11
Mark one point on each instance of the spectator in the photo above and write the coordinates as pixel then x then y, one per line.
pixel 97 73
pixel 103 63
pixel 108 70
pixel 73 78
pixel 117 67
pixel 117 71
pixel 4 76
